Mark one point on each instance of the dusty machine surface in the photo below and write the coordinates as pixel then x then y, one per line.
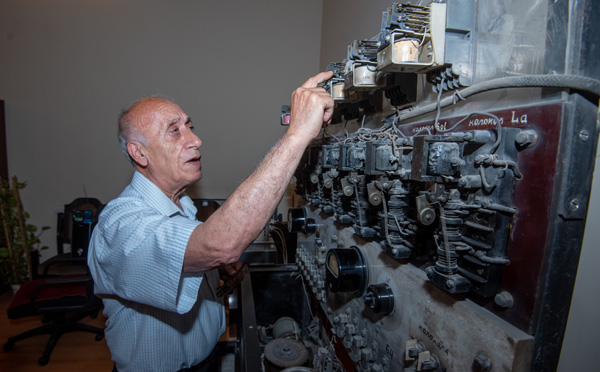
pixel 440 217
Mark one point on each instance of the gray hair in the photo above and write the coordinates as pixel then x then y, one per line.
pixel 128 132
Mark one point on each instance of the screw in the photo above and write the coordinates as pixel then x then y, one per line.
pixel 574 204
pixel 584 135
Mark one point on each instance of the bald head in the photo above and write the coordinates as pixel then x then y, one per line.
pixel 132 120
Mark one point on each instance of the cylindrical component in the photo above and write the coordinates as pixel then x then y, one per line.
pixel 346 270
pixel 298 221
pixel 425 212
pixel 365 357
pixel 347 341
pixel 427 361
pixel 470 182
pixel 380 298
pixel 504 300
pixel 374 194
pixel 526 138
pixel 314 178
pixel 337 91
pixel 406 50
pixel 286 327
pixel 480 136
pixel 364 75
pixel 355 352
pixel 284 353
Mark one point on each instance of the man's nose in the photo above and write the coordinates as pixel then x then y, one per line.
pixel 194 140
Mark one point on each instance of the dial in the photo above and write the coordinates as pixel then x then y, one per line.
pixel 347 270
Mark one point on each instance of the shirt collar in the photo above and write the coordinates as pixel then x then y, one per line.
pixel 159 201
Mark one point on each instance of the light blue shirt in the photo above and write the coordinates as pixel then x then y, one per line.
pixel 159 318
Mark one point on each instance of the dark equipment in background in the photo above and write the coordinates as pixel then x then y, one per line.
pixel 75 225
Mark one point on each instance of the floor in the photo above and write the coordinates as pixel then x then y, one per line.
pixel 75 351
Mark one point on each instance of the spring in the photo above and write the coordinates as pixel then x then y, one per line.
pixel 396 215
pixel 450 222
pixel 361 203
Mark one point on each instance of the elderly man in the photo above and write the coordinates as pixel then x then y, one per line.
pixel 151 259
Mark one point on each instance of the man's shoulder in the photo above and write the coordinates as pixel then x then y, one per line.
pixel 134 198
pixel 129 203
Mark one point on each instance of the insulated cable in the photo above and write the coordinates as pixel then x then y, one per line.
pixel 574 82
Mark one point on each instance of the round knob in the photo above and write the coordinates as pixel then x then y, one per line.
pixel 298 221
pixel 380 298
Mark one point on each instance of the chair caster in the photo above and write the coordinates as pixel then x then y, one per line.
pixel 99 337
pixel 43 361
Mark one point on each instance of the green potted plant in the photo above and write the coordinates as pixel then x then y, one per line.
pixel 19 241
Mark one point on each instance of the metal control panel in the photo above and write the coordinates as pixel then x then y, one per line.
pixel 430 246
pixel 438 219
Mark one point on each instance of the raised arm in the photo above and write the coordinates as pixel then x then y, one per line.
pixel 233 227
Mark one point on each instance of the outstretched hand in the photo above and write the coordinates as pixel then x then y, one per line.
pixel 311 106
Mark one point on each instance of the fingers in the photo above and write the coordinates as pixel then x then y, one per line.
pixel 228 270
pixel 319 78
pixel 311 106
pixel 238 265
pixel 232 269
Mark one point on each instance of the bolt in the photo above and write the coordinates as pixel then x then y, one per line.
pixel 449 284
pixel 584 135
pixel 526 138
pixel 504 300
pixel 375 200
pixel 429 271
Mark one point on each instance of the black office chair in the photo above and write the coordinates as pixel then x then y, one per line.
pixel 62 299
pixel 73 227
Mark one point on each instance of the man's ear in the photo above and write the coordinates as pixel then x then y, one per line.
pixel 138 153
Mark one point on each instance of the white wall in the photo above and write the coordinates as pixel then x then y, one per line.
pixel 68 67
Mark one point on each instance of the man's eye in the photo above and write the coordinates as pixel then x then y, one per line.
pixel 174 130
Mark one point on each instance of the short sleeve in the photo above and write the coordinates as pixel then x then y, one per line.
pixel 136 253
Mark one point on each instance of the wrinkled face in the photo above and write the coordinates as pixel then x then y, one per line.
pixel 172 149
